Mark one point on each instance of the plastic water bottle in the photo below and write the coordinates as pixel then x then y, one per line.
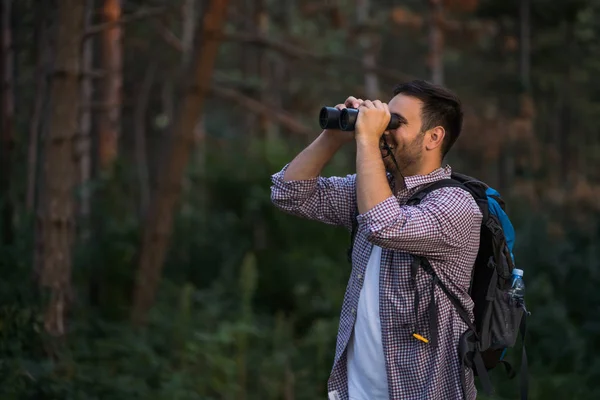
pixel 517 290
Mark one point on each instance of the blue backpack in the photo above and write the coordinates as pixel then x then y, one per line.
pixel 498 319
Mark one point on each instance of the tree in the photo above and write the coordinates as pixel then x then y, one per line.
pixel 6 122
pixel 56 223
pixel 158 223
pixel 109 120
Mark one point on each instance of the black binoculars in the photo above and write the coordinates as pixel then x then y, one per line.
pixel 345 119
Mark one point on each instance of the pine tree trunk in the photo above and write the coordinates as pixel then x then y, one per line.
pixel 436 42
pixel 525 45
pixel 56 223
pixel 109 120
pixel 158 224
pixel 42 54
pixel 141 148
pixel 84 142
pixel 369 50
pixel 261 21
pixel 7 112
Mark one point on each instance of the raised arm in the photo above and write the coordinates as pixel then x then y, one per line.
pixel 440 226
pixel 436 228
pixel 330 200
pixel 300 190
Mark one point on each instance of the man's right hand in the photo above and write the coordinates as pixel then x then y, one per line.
pixel 309 163
pixel 339 135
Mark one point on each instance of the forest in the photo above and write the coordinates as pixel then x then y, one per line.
pixel 141 255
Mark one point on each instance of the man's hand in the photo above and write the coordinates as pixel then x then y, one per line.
pixel 339 135
pixel 373 119
pixel 310 162
pixel 372 186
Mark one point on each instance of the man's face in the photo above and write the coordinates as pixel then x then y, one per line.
pixel 407 140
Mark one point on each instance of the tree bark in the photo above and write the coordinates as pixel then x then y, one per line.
pixel 42 49
pixel 525 45
pixel 7 112
pixel 188 29
pixel 369 50
pixel 436 42
pixel 261 22
pixel 84 142
pixel 158 224
pixel 141 149
pixel 56 223
pixel 566 110
pixel 109 120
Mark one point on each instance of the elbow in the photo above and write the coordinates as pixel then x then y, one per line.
pixel 285 200
pixel 381 237
pixel 279 200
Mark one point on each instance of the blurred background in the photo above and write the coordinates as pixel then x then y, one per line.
pixel 140 254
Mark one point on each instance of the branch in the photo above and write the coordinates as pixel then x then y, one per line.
pixel 169 36
pixel 303 54
pixel 141 14
pixel 295 52
pixel 257 107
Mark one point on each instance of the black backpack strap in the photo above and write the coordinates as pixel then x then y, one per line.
pixel 442 183
pixel 469 339
pixel 424 263
pixel 415 199
pixel 524 370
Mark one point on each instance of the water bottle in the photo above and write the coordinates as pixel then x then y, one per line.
pixel 517 290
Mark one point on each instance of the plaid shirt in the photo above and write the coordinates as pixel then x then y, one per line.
pixel 445 228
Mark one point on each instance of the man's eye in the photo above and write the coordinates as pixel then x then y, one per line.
pixel 401 120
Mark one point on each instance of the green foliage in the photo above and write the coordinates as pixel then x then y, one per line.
pixel 237 319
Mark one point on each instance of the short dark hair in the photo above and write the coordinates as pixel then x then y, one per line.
pixel 440 107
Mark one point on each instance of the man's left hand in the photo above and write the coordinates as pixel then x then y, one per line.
pixel 372 120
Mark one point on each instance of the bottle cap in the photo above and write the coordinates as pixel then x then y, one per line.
pixel 517 272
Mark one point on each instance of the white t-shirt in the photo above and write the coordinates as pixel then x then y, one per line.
pixel 367 378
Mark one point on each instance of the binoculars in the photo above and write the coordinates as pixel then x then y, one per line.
pixel 345 119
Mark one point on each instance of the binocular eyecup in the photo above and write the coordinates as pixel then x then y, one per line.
pixel 345 119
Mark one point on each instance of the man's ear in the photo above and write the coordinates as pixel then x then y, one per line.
pixel 435 138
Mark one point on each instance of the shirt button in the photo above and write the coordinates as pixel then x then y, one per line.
pixel 360 276
pixel 353 311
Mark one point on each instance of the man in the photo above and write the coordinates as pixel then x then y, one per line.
pixel 379 353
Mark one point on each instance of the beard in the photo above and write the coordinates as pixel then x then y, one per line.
pixel 407 155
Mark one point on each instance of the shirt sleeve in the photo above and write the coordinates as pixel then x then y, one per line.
pixel 437 227
pixel 330 200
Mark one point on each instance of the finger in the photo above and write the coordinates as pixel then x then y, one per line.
pixel 368 104
pixel 378 104
pixel 340 106
pixel 353 102
pixel 387 110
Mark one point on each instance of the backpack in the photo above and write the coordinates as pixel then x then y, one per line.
pixel 498 319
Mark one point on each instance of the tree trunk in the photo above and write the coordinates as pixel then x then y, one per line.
pixel 42 50
pixel 565 111
pixel 56 221
pixel 7 112
pixel 188 29
pixel 84 143
pixel 261 21
pixel 109 120
pixel 525 45
pixel 141 149
pixel 369 49
pixel 436 42
pixel 158 225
